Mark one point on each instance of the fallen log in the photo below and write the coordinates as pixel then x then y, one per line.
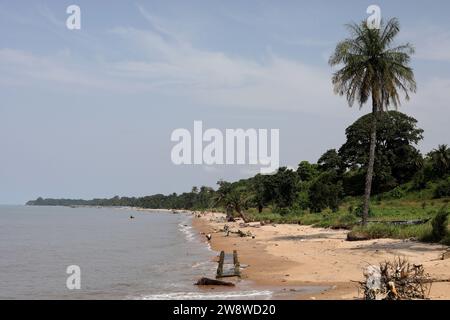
pixel 437 280
pixel 213 282
pixel 402 222
pixel 445 255
pixel 243 234
pixel 356 236
pixel 239 232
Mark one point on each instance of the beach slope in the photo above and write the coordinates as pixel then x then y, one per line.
pixel 295 255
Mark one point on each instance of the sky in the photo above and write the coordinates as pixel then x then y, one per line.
pixel 89 113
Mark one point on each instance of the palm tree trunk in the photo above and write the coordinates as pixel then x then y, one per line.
pixel 369 175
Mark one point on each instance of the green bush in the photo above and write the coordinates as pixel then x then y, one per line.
pixel 439 224
pixel 419 181
pixel 282 211
pixel 303 200
pixel 396 193
pixel 345 221
pixel 446 240
pixel 442 190
pixel 359 211
pixel 439 228
pixel 350 209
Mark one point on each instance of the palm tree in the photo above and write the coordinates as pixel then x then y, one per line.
pixel 440 158
pixel 372 66
pixel 232 198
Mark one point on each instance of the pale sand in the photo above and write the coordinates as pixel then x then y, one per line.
pixel 285 255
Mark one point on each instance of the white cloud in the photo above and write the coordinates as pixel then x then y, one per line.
pixel 172 65
pixel 21 68
pixel 215 78
pixel 27 69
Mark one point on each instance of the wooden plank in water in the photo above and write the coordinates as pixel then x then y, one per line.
pixel 237 266
pixel 228 265
pixel 220 266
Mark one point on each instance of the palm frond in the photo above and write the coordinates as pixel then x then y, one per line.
pixel 370 64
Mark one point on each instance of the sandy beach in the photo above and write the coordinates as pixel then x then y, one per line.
pixel 295 255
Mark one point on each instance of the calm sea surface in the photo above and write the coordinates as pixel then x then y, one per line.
pixel 154 256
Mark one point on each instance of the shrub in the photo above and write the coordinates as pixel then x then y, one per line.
pixel 439 224
pixel 446 240
pixel 282 211
pixel 359 211
pixel 350 209
pixel 438 231
pixel 396 193
pixel 442 189
pixel 303 200
pixel 419 182
pixel 345 221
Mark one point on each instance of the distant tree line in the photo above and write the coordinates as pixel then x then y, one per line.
pixel 316 186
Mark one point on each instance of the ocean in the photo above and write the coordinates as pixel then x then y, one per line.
pixel 156 255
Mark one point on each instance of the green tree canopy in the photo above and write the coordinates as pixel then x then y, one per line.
pixel 281 188
pixel 440 160
pixel 330 160
pixel 397 159
pixel 307 171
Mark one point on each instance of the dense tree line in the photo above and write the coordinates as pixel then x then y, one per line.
pixel 316 186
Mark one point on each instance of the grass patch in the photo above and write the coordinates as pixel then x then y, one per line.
pixel 383 209
pixel 435 231
pixel 385 230
pixel 323 220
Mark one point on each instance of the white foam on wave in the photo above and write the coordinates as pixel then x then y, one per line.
pixel 209 264
pixel 185 228
pixel 251 294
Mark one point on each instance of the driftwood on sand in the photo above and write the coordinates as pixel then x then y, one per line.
pixel 446 255
pixel 402 222
pixel 396 280
pixel 357 236
pixel 213 282
pixel 240 233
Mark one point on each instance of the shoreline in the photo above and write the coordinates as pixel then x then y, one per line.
pixel 288 256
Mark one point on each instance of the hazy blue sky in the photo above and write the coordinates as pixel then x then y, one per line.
pixel 89 113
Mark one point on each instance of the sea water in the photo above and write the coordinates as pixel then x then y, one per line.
pixel 156 255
